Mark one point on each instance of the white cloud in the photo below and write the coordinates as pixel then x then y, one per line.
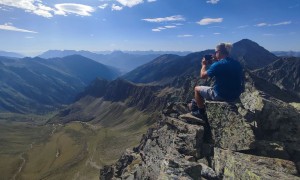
pixel 10 27
pixel 32 6
pixel 282 23
pixel 151 0
pixel 276 24
pixel 185 35
pixel 166 19
pixel 169 27
pixel 161 28
pixel 22 4
pixel 70 8
pixel 37 7
pixel 217 33
pixel 44 11
pixel 130 3
pixel 261 24
pixel 103 6
pixel 206 21
pixel 116 8
pixel 212 1
pixel 158 29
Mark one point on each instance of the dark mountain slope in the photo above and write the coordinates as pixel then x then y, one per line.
pixel 103 100
pixel 284 73
pixel 38 85
pixel 166 68
pixel 83 68
pixel 252 55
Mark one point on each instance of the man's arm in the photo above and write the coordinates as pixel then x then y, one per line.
pixel 203 72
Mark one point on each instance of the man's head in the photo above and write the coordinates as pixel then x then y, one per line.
pixel 223 50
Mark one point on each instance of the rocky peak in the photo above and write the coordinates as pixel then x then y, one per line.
pixel 255 138
pixel 251 54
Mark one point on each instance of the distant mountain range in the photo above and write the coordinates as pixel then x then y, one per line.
pixel 125 61
pixel 10 54
pixel 287 53
pixel 38 85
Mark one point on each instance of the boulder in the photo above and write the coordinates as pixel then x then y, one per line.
pixel 229 128
pixel 276 121
pixel 234 165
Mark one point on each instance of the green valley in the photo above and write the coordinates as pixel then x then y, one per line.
pixel 76 150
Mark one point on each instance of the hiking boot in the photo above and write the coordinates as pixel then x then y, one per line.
pixel 192 106
pixel 199 114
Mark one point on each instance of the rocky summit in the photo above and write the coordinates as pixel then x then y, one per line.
pixel 256 137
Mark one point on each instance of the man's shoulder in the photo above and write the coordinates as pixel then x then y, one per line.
pixel 230 60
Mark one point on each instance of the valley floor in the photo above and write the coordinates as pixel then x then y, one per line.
pixel 75 150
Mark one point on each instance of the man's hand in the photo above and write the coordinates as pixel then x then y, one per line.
pixel 204 62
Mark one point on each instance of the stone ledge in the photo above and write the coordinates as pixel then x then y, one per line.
pixel 229 129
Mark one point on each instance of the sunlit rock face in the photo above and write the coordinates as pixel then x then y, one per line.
pixel 238 145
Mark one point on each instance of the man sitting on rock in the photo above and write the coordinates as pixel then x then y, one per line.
pixel 228 75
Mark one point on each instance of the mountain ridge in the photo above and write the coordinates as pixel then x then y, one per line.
pixel 162 67
pixel 11 54
pixel 38 85
pixel 117 59
pixel 284 73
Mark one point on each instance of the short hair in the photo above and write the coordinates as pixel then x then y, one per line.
pixel 224 48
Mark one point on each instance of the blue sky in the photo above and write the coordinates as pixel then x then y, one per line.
pixel 33 26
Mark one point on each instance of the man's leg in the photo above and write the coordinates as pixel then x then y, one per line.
pixel 199 99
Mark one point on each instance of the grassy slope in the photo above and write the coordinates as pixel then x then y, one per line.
pixel 73 151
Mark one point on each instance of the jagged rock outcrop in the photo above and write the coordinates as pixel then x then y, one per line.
pixel 180 147
pixel 276 124
pixel 169 151
pixel 254 138
pixel 284 73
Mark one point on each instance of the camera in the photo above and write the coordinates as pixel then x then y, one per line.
pixel 208 58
